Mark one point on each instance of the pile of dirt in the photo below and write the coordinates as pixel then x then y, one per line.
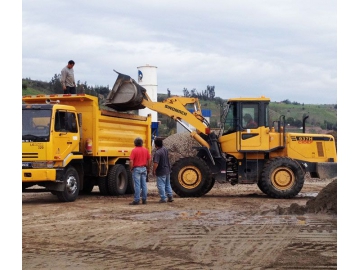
pixel 324 202
pixel 180 145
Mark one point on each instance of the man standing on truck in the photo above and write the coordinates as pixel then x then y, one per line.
pixel 161 169
pixel 139 166
pixel 68 78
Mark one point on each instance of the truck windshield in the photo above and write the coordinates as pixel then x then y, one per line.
pixel 36 125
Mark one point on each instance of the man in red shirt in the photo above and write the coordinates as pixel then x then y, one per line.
pixel 139 166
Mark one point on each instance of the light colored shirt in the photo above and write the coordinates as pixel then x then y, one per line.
pixel 67 77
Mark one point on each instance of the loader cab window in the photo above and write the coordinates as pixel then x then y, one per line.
pixel 250 115
pixel 65 122
pixel 231 119
pixel 267 115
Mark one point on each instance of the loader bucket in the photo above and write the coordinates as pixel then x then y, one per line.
pixel 126 94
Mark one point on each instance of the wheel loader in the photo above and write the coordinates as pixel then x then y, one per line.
pixel 263 153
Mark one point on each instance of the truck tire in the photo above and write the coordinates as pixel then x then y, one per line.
pixel 117 180
pixel 130 188
pixel 190 177
pixel 282 178
pixel 72 186
pixel 103 185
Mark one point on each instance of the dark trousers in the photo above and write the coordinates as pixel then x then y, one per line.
pixel 70 90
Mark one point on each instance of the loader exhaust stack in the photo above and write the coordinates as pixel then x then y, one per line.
pixel 126 94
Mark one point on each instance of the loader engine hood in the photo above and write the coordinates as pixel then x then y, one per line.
pixel 126 94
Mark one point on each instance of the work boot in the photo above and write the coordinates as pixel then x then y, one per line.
pixel 144 202
pixel 134 203
pixel 170 199
pixel 162 201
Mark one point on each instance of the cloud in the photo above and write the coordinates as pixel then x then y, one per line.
pixel 281 49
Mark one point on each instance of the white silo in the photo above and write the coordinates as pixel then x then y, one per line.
pixel 147 78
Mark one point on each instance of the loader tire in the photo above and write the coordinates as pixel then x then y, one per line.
pixel 191 177
pixel 282 178
pixel 211 185
pixel 117 180
pixel 72 186
pixel 130 188
pixel 103 185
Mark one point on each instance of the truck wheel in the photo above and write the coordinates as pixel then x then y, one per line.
pixel 190 177
pixel 72 185
pixel 117 180
pixel 130 188
pixel 282 178
pixel 103 185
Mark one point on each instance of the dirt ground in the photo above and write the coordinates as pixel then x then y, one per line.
pixel 231 227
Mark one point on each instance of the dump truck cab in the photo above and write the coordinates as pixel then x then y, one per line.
pixel 50 142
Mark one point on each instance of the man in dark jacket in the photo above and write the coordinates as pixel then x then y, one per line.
pixel 161 169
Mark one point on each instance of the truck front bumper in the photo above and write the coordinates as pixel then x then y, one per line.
pixel 42 175
pixel 52 179
pixel 38 175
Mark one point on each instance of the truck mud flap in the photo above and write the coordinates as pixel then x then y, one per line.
pixel 126 94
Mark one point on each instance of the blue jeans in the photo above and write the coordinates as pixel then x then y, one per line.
pixel 164 187
pixel 139 177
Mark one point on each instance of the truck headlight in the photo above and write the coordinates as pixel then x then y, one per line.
pixel 43 164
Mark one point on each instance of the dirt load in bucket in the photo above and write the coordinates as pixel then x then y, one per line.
pixel 181 145
pixel 126 94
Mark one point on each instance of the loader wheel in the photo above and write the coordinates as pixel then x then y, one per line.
pixel 72 186
pixel 130 188
pixel 281 178
pixel 191 177
pixel 103 185
pixel 117 180
pixel 211 185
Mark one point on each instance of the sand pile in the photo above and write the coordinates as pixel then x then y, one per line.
pixel 324 202
pixel 180 145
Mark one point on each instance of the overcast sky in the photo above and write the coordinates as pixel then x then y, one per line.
pixel 277 48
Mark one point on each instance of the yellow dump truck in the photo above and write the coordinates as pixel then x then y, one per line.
pixel 70 145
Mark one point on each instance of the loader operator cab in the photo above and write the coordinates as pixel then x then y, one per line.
pixel 245 113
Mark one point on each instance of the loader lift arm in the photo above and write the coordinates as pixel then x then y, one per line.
pixel 174 107
pixel 127 94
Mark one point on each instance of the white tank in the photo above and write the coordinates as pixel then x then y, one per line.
pixel 147 78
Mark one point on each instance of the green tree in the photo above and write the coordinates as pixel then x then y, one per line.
pixel 55 84
pixel 290 121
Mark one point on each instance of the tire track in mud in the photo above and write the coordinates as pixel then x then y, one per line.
pixel 182 239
